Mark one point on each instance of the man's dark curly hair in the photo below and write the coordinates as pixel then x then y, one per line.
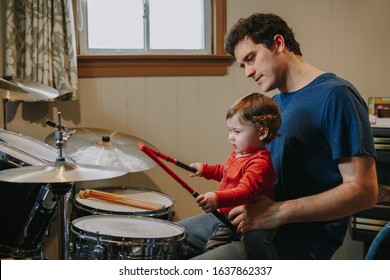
pixel 261 28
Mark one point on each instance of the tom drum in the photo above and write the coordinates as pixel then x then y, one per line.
pixel 115 237
pixel 88 206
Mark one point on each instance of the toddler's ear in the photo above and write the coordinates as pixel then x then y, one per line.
pixel 263 133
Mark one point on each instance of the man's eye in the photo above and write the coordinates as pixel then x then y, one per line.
pixel 250 58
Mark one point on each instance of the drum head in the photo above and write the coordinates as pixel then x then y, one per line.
pixel 127 227
pixel 102 207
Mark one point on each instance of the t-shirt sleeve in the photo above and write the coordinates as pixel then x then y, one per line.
pixel 346 124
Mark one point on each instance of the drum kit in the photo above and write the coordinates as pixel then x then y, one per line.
pixel 37 182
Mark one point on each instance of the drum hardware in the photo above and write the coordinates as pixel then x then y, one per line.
pixel 105 148
pixel 98 251
pixel 15 90
pixel 61 174
pixel 67 133
pixel 153 155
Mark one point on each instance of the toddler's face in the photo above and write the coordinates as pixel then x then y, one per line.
pixel 243 135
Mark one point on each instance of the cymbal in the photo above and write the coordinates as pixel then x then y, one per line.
pixel 15 90
pixel 105 148
pixel 58 172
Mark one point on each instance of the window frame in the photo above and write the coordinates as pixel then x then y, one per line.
pixel 90 66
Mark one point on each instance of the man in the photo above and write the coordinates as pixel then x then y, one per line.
pixel 324 159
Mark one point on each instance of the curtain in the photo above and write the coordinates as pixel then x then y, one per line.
pixel 40 44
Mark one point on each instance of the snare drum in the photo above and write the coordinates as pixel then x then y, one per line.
pixel 115 237
pixel 26 210
pixel 88 206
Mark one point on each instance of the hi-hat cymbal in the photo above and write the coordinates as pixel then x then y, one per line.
pixel 105 148
pixel 59 172
pixel 15 90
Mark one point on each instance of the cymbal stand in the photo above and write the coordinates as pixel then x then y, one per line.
pixel 5 102
pixel 5 113
pixel 60 190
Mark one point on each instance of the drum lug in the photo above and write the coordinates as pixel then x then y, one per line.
pixel 98 250
pixel 70 249
pixel 122 256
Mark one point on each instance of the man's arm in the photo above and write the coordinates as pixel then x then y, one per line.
pixel 358 192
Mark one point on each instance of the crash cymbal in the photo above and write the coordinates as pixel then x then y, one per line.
pixel 15 90
pixel 7 85
pixel 105 148
pixel 58 172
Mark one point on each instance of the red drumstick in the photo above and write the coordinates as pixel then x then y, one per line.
pixel 148 151
pixel 153 156
pixel 172 160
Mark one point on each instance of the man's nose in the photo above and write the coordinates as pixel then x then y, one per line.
pixel 249 71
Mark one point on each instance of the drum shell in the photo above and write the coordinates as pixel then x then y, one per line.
pixel 89 245
pixel 82 207
pixel 26 210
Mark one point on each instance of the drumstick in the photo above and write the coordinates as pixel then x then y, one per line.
pixel 119 199
pixel 195 194
pixel 172 160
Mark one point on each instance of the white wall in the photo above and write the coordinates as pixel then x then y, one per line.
pixel 184 116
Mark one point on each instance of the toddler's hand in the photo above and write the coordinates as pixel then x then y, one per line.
pixel 199 169
pixel 207 201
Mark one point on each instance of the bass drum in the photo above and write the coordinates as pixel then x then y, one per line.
pixel 114 237
pixel 26 210
pixel 89 206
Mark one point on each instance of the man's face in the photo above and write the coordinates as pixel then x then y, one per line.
pixel 259 63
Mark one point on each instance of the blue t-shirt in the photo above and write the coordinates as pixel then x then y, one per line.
pixel 321 123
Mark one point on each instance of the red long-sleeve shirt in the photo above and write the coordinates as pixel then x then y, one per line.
pixel 242 179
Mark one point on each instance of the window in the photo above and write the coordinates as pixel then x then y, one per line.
pixel 145 27
pixel 148 55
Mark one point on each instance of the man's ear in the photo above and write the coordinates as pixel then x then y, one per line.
pixel 279 42
pixel 263 132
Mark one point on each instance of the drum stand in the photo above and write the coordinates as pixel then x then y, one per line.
pixel 5 113
pixel 60 190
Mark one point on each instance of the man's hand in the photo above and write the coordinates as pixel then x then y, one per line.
pixel 262 213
